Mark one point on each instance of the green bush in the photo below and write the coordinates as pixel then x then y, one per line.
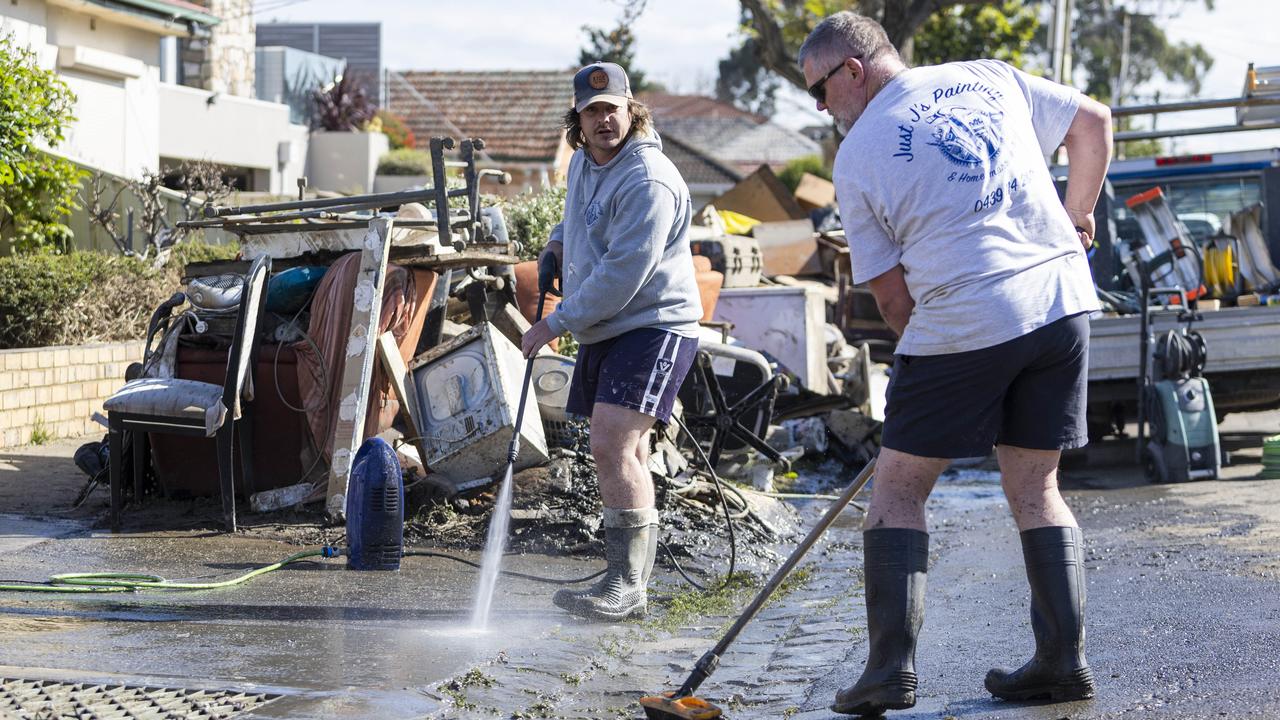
pixel 78 298
pixel 405 162
pixel 531 217
pixel 812 164
pixel 37 189
pixel 397 132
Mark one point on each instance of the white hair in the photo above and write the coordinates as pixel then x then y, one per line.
pixel 843 35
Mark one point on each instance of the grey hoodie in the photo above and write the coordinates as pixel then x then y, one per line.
pixel 625 232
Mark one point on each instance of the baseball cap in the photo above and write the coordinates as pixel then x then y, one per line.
pixel 601 81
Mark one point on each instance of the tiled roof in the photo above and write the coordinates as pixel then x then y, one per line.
pixel 738 141
pixel 666 105
pixel 517 113
pixel 695 167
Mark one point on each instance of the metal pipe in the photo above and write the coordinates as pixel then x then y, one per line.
pixel 1185 105
pixel 708 662
pixel 438 146
pixel 356 202
pixel 1184 132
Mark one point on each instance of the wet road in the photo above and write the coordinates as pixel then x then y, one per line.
pixel 1184 618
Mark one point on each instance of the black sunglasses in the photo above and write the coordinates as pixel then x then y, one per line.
pixel 818 90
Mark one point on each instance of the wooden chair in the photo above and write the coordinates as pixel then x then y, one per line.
pixel 191 407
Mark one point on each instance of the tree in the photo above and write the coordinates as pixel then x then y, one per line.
pixel 780 26
pixel 617 46
pixel 1097 41
pixel 969 32
pixel 200 183
pixel 746 82
pixel 37 189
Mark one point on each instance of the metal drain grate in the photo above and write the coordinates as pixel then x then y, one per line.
pixel 51 700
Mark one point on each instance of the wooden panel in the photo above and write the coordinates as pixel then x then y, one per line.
pixel 358 368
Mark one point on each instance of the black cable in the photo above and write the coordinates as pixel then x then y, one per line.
pixel 509 573
pixel 728 520
pixel 683 574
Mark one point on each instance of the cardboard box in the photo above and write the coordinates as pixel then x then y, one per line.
pixel 814 192
pixel 761 195
pixel 788 247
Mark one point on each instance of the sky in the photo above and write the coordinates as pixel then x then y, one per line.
pixel 680 42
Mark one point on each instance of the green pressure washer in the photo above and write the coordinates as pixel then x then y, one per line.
pixel 1174 400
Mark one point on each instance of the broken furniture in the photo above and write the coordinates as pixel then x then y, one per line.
pixel 727 400
pixel 187 465
pixel 316 231
pixel 191 407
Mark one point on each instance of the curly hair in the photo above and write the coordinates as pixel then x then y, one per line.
pixel 641 124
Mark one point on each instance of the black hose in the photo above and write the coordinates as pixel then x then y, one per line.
pixel 728 519
pixel 509 573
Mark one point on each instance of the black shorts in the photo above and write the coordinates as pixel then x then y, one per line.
pixel 1028 392
pixel 640 369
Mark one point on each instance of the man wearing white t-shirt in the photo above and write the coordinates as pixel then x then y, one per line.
pixel 954 223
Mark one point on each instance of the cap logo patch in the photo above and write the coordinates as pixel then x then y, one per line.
pixel 598 80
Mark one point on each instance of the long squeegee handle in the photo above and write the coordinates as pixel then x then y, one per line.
pixel 514 450
pixel 708 663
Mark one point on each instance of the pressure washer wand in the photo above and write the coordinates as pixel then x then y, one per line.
pixel 662 707
pixel 514 450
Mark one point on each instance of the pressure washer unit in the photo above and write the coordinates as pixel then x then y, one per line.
pixel 375 508
pixel 1175 401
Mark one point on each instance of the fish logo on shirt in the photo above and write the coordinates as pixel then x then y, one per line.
pixel 966 136
pixel 594 211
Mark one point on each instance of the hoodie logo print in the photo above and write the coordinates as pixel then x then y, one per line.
pixel 594 211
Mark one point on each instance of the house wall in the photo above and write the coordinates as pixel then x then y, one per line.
pixel 224 61
pixel 56 390
pixel 344 161
pixel 235 131
pixel 127 119
pixel 115 81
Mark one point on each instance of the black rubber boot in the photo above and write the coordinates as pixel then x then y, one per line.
pixel 621 593
pixel 895 562
pixel 1058 671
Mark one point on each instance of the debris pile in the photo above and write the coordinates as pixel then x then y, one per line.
pixel 788 375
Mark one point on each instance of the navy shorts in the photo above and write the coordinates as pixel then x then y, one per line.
pixel 640 369
pixel 1028 392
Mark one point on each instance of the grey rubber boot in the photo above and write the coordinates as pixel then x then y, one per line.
pixel 1058 671
pixel 895 562
pixel 621 593
pixel 651 554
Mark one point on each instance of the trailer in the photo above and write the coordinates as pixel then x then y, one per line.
pixel 1204 190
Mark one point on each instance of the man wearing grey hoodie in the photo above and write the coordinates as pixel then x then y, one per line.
pixel 631 301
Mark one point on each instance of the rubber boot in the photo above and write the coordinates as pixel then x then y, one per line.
pixel 1058 671
pixel 621 593
pixel 651 553
pixel 895 562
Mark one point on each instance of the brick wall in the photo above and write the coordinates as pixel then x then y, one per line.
pixel 57 389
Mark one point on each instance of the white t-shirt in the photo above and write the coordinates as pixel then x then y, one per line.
pixel 945 173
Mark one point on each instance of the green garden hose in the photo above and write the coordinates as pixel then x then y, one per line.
pixel 111 582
